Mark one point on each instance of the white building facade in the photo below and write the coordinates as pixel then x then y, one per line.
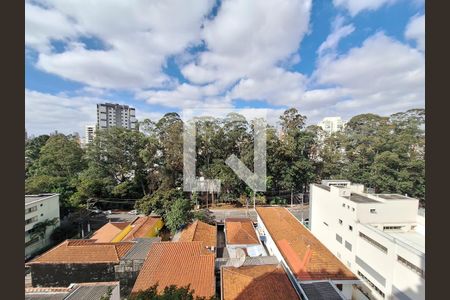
pixel 39 208
pixel 380 237
pixel 89 133
pixel 331 124
pixel 116 115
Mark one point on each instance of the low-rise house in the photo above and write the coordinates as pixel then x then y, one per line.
pixel 77 261
pixel 131 263
pixel 40 208
pixel 180 264
pixel 240 234
pixel 141 227
pixel 76 291
pixel 256 282
pixel 109 231
pixel 200 231
pixel 305 258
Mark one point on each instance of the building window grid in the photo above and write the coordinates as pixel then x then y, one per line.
pixel 373 242
pixel 392 227
pixel 380 292
pixel 30 209
pixel 31 220
pixel 411 266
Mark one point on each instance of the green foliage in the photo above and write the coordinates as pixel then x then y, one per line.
pixel 171 292
pixel 179 214
pixel 171 205
pixel 39 229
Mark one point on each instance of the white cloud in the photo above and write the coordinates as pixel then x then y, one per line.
pixel 357 6
pixel 382 76
pixel 42 26
pixel 248 38
pixel 415 30
pixel 138 37
pixel 338 32
pixel 45 113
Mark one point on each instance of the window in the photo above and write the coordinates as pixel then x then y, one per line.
pixel 31 220
pixel 371 284
pixel 348 206
pixel 339 238
pixel 343 204
pixel 325 224
pixel 373 211
pixel 348 246
pixel 42 204
pixel 411 266
pixel 392 227
pixel 30 209
pixel 339 286
pixel 373 242
pixel 353 209
pixel 32 241
pixel 350 227
pixel 340 221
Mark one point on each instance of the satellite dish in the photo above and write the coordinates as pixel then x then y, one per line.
pixel 240 258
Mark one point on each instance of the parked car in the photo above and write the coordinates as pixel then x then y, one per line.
pixel 96 210
pixel 107 212
pixel 133 212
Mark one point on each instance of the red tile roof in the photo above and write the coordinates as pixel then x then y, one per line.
pixel 180 264
pixel 109 231
pixel 83 251
pixel 240 231
pixel 307 257
pixel 141 227
pixel 256 282
pixel 201 232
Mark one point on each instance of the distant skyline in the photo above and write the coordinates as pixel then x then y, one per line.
pixel 326 58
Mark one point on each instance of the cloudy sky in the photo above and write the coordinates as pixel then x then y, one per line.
pixel 324 57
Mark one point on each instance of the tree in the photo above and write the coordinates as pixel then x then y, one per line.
pixel 179 214
pixel 171 292
pixel 39 229
pixel 32 153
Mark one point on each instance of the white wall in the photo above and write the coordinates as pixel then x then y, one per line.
pixel 47 208
pixel 327 207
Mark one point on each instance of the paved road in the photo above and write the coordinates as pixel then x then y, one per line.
pixel 121 217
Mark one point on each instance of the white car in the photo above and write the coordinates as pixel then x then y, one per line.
pixel 107 212
pixel 133 212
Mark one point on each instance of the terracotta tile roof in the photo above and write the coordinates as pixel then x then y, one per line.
pixel 141 227
pixel 240 231
pixel 108 231
pixel 307 257
pixel 256 282
pixel 180 264
pixel 200 232
pixel 83 251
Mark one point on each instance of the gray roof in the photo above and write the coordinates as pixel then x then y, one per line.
pixel 320 291
pixel 393 197
pixel 45 296
pixel 93 292
pixel 32 198
pixel 255 261
pixel 357 198
pixel 140 249
pixel 322 186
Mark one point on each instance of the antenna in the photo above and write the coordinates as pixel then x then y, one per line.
pixel 240 258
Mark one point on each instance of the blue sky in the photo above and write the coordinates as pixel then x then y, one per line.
pixel 326 58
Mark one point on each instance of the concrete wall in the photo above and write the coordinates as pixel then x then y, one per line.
pixel 51 275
